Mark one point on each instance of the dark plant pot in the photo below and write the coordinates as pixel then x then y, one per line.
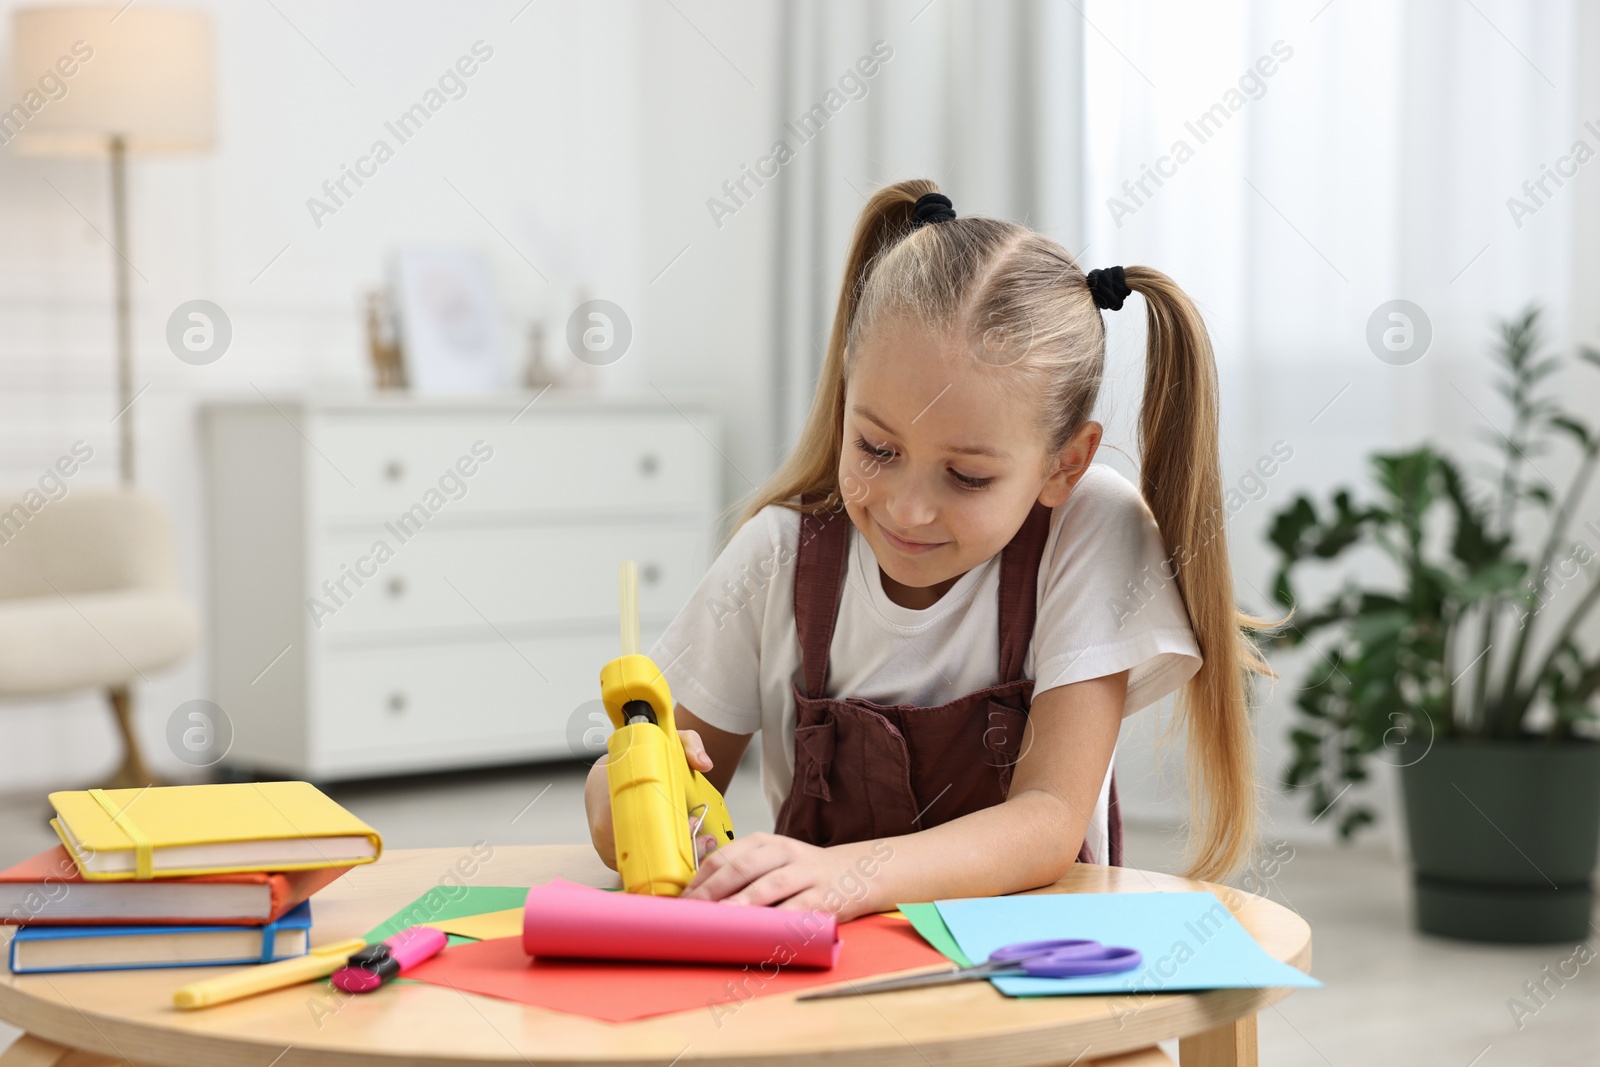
pixel 1504 837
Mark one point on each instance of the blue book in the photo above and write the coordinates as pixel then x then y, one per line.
pixel 37 949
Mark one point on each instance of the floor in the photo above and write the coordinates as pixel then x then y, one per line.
pixel 1391 996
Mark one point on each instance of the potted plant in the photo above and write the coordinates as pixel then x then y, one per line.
pixel 1461 662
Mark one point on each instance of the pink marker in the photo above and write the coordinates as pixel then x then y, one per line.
pixel 376 964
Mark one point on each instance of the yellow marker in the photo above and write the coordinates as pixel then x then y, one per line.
pixel 318 963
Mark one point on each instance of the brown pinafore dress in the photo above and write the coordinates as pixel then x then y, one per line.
pixel 864 770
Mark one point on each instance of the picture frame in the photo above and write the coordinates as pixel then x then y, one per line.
pixel 452 339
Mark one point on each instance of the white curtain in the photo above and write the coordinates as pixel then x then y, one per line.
pixel 1370 156
pixel 1376 163
pixel 983 98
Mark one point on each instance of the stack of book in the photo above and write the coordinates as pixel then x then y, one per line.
pixel 177 876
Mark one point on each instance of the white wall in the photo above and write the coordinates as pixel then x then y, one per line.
pixel 590 140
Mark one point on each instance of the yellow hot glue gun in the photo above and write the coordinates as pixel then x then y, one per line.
pixel 658 802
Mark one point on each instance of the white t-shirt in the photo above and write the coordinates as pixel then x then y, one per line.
pixel 1104 606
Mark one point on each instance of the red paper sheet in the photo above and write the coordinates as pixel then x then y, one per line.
pixel 618 992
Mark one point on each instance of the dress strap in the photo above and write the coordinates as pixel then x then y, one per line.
pixel 818 581
pixel 1019 590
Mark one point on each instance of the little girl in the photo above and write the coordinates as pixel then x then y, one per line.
pixel 938 612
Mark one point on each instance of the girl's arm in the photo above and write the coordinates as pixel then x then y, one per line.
pixel 1033 838
pixel 713 752
pixel 1030 840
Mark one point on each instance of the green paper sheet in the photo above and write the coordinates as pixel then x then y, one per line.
pixel 927 921
pixel 450 902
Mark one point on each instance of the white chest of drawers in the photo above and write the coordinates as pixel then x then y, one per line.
pixel 401 585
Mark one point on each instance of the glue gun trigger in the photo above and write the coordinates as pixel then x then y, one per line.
pixel 694 831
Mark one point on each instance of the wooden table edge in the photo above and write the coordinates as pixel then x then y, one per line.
pixel 1214 1016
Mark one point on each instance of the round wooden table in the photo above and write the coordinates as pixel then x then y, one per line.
pixel 78 1020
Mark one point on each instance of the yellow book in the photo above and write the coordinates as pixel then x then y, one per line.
pixel 173 831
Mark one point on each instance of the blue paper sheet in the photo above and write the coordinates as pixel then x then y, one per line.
pixel 1189 941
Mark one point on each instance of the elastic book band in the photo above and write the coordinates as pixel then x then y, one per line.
pixel 143 851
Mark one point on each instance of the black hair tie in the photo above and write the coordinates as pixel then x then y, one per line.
pixel 1108 287
pixel 932 207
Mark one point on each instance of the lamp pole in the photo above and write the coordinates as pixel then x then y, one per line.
pixel 119 237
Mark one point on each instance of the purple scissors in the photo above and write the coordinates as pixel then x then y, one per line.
pixel 1058 958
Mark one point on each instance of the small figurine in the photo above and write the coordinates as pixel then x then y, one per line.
pixel 383 343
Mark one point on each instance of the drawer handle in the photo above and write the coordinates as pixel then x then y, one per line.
pixel 650 573
pixel 397 703
pixel 395 470
pixel 397 587
pixel 649 464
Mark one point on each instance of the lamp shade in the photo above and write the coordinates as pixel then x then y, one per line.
pixel 85 75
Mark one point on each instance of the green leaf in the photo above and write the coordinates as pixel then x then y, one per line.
pixel 1303 738
pixel 1379 626
pixel 1354 820
pixel 1493 579
pixel 1472 544
pixel 1545 367
pixel 1369 603
pixel 1289 528
pixel 1539 494
pixel 1578 431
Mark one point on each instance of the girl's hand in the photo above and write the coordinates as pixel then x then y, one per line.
pixel 777 870
pixel 597 801
pixel 695 750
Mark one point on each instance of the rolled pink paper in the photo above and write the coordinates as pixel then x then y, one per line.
pixel 565 920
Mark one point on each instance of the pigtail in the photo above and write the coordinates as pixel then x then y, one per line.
pixel 1181 480
pixel 812 465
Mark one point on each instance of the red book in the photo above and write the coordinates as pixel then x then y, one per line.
pixel 47 890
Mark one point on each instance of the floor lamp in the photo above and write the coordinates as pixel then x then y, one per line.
pixel 112 82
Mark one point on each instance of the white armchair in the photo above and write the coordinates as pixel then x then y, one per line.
pixel 89 599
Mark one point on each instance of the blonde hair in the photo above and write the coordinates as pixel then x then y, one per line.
pixel 1018 295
